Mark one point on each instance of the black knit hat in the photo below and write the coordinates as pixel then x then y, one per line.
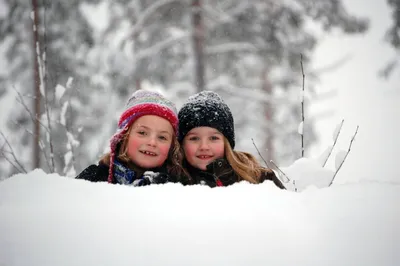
pixel 206 109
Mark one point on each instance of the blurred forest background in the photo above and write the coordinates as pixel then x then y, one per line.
pixel 68 67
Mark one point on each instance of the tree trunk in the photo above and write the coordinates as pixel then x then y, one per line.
pixel 37 95
pixel 268 145
pixel 198 44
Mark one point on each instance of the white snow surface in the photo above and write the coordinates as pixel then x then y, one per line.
pixel 47 219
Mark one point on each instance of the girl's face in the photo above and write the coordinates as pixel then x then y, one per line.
pixel 149 141
pixel 202 145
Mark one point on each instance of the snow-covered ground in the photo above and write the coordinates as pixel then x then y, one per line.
pixel 53 220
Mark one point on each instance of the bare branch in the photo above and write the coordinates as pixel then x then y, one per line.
pixel 10 162
pixel 340 166
pixel 34 118
pixel 281 172
pixel 12 153
pixel 41 145
pixel 302 108
pixel 334 143
pixel 260 153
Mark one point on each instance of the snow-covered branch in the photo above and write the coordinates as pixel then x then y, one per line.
pixel 43 79
pixel 159 46
pixel 217 15
pixel 231 47
pixel 145 14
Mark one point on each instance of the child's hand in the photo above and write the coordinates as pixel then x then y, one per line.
pixel 150 177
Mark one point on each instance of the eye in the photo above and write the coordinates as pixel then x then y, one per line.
pixel 194 138
pixel 164 138
pixel 142 132
pixel 214 137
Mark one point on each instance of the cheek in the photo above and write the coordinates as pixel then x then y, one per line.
pixel 164 148
pixel 190 150
pixel 133 145
pixel 219 150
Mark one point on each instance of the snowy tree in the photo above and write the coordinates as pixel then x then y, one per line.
pixel 393 37
pixel 63 42
pixel 393 33
pixel 251 57
pixel 255 48
pixel 246 45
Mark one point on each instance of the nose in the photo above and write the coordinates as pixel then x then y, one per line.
pixel 204 145
pixel 152 141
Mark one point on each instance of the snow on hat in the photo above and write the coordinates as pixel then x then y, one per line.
pixel 141 103
pixel 206 109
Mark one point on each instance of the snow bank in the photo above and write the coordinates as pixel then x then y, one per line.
pixel 53 220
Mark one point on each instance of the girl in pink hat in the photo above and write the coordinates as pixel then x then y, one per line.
pixel 144 150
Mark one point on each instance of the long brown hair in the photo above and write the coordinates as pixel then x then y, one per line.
pixel 244 164
pixel 173 162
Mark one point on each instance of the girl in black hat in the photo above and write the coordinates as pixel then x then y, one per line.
pixel 207 136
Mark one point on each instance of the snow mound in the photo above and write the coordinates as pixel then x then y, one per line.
pixel 54 220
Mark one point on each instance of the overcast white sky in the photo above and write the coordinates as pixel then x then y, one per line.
pixel 363 98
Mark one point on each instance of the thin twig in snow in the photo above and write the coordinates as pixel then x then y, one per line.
pixel 279 170
pixel 302 108
pixel 334 143
pixel 260 153
pixel 351 142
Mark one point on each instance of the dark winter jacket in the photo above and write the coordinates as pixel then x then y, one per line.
pixel 125 175
pixel 220 173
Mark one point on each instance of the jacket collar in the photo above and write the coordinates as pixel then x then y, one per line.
pixel 125 174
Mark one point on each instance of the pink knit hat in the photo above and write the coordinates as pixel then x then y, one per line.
pixel 139 104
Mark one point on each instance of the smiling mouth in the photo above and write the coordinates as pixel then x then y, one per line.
pixel 148 153
pixel 204 157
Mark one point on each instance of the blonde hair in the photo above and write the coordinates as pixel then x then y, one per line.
pixel 244 164
pixel 173 162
